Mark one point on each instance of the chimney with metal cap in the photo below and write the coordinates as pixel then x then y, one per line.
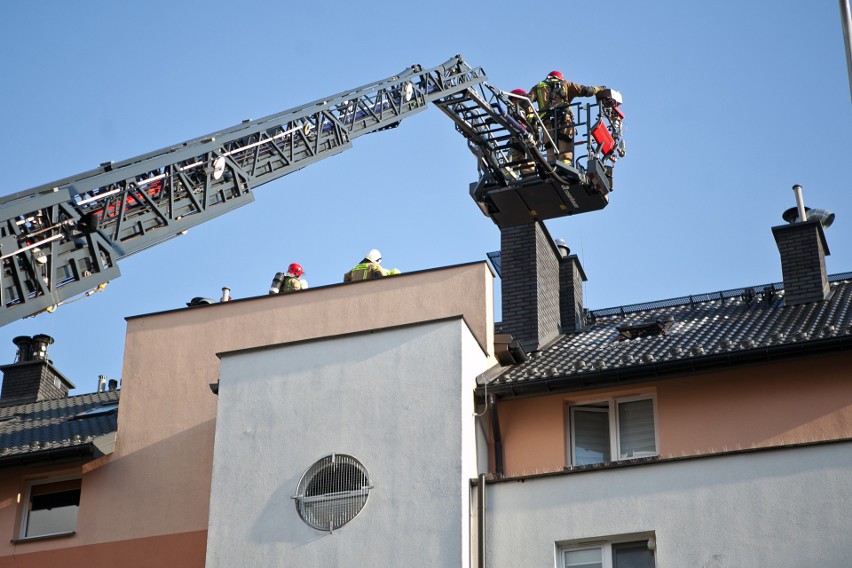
pixel 803 250
pixel 32 377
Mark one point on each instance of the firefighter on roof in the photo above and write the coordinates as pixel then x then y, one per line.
pixel 289 281
pixel 369 268
pixel 553 97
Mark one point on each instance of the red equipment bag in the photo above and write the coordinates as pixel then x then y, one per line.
pixel 602 136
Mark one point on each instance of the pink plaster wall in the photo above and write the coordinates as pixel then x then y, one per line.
pixel 158 480
pixel 804 400
pixel 799 401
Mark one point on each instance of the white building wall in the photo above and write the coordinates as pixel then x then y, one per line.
pixel 780 508
pixel 398 400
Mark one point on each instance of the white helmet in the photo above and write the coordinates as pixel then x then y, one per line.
pixel 374 256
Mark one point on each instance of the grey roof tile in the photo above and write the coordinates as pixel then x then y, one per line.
pixel 28 430
pixel 723 324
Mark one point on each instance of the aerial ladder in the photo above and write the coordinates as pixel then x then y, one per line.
pixel 64 239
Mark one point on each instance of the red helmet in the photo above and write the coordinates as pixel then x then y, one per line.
pixel 296 269
pixel 556 74
pixel 521 92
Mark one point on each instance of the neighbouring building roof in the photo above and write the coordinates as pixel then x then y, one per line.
pixel 74 426
pixel 694 332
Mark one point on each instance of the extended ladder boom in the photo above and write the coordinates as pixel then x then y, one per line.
pixel 62 239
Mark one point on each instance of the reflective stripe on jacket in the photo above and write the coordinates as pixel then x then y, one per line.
pixel 365 271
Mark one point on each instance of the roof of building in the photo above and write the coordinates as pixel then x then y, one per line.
pixel 631 343
pixel 82 425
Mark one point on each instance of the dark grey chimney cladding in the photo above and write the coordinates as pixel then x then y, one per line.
pixel 803 250
pixel 571 278
pixel 32 377
pixel 541 287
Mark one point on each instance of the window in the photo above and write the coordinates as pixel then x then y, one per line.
pixel 637 554
pixel 622 427
pixel 51 508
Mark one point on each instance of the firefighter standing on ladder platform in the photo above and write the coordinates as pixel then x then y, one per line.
pixel 553 97
pixel 522 111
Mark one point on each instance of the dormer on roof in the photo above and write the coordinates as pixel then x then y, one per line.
pixel 656 326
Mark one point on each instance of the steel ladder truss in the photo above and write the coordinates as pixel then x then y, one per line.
pixel 521 192
pixel 65 238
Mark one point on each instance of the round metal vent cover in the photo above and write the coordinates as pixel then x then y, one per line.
pixel 332 492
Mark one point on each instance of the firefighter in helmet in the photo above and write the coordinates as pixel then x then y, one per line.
pixel 289 281
pixel 553 97
pixel 369 268
pixel 524 113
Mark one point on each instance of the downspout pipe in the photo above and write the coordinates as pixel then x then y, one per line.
pixel 481 521
pixel 498 438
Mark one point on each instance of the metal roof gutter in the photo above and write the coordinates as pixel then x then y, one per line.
pixel 664 370
pixel 86 450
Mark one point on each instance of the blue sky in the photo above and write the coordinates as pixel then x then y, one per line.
pixel 728 105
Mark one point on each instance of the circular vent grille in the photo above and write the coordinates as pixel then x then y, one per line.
pixel 332 492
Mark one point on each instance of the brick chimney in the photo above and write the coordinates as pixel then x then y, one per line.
pixel 803 250
pixel 541 286
pixel 32 377
pixel 571 278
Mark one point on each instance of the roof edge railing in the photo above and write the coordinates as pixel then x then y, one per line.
pixel 700 298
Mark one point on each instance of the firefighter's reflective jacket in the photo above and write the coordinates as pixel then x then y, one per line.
pixel 365 270
pixel 553 93
pixel 285 282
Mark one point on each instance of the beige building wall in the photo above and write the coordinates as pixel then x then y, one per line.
pixel 779 403
pixel 155 488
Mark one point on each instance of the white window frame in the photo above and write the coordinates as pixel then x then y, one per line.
pixel 604 547
pixel 25 506
pixel 614 426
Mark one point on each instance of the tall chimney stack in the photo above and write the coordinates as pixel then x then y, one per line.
pixel 803 249
pixel 32 377
pixel 541 286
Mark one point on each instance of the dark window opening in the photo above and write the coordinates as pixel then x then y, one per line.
pixel 52 508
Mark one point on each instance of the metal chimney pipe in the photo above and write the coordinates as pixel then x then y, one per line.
pixel 102 383
pixel 803 215
pixel 40 343
pixel 24 343
pixel 226 294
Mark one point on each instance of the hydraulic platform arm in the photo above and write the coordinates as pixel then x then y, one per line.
pixel 65 238
pixel 517 184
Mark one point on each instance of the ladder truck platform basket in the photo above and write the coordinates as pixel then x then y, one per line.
pixel 537 197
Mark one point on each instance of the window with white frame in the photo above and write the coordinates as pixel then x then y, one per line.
pixel 615 429
pixel 51 507
pixel 635 554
